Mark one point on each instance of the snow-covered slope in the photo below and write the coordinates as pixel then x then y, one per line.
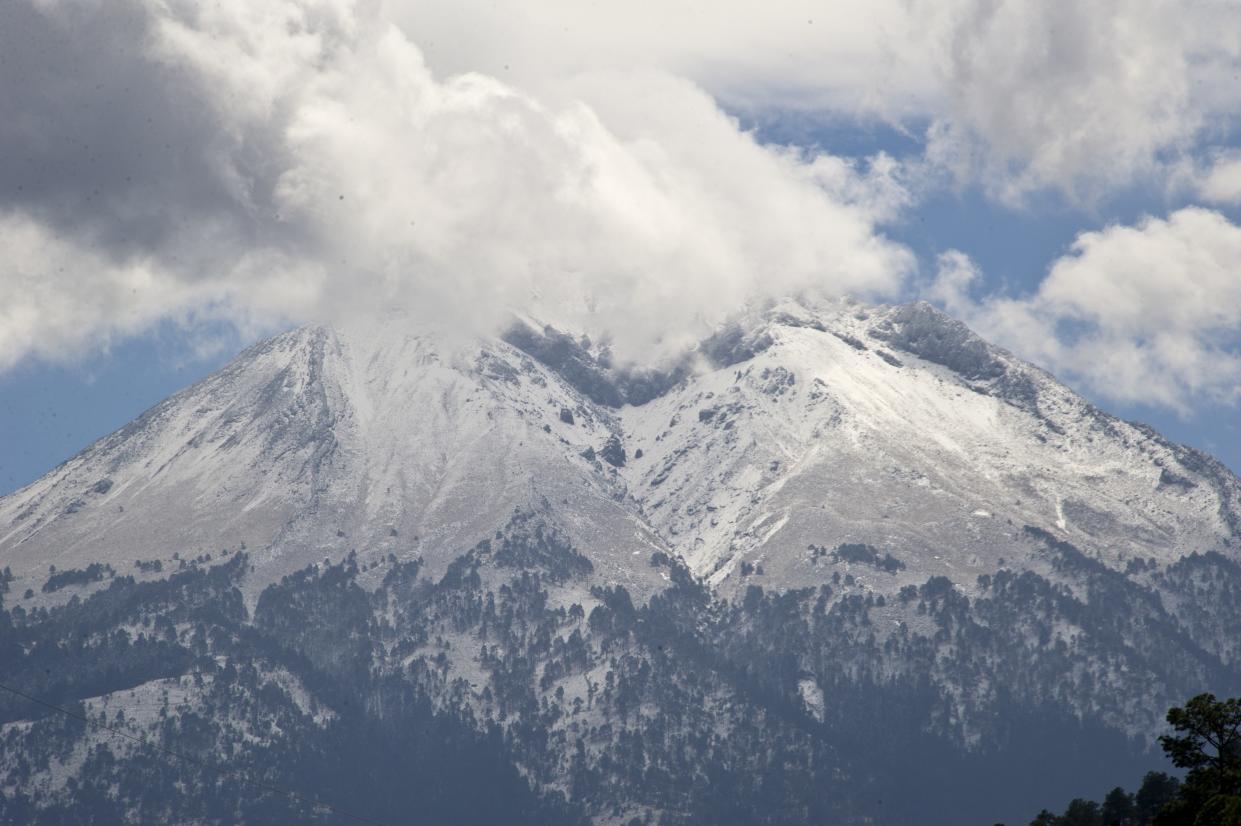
pixel 962 564
pixel 319 442
pixel 801 428
pixel 898 428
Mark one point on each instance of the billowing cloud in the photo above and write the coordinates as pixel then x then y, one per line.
pixel 297 160
pixel 1147 314
pixel 1020 96
pixel 58 297
pixel 1221 184
pixel 1079 97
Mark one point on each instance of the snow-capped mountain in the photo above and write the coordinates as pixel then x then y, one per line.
pixel 800 426
pixel 899 428
pixel 838 554
pixel 322 441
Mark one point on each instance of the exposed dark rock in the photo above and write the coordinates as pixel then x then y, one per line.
pixel 613 452
pixel 889 358
pixel 786 320
pixel 852 341
pixel 733 344
pixel 777 381
pixel 567 357
pixel 924 331
pixel 593 374
pixel 1168 479
pixel 494 368
pixel 721 416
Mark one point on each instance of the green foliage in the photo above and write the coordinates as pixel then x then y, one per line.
pixel 1207 743
pixel 567 696
pixel 862 554
pixel 1118 808
pixel 94 572
pixel 1157 791
pixel 286 701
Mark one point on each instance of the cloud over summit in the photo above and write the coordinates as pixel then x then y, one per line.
pixel 266 162
pixel 296 160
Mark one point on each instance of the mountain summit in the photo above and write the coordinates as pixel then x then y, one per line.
pixel 839 553
pixel 802 425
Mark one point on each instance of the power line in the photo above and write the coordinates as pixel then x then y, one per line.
pixel 194 760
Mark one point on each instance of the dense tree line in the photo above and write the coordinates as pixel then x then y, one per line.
pixel 1206 742
pixel 521 671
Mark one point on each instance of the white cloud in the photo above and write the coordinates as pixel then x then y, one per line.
pixel 1021 95
pixel 1149 313
pixel 346 177
pixel 1222 182
pixel 955 277
pixel 299 159
pixel 650 215
pixel 1081 97
pixel 59 297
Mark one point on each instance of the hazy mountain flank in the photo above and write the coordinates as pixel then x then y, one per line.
pixel 841 563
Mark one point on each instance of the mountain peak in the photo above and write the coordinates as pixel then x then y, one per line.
pixel 805 423
pixel 823 513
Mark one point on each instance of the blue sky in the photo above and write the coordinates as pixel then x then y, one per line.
pixel 1066 179
pixel 50 411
